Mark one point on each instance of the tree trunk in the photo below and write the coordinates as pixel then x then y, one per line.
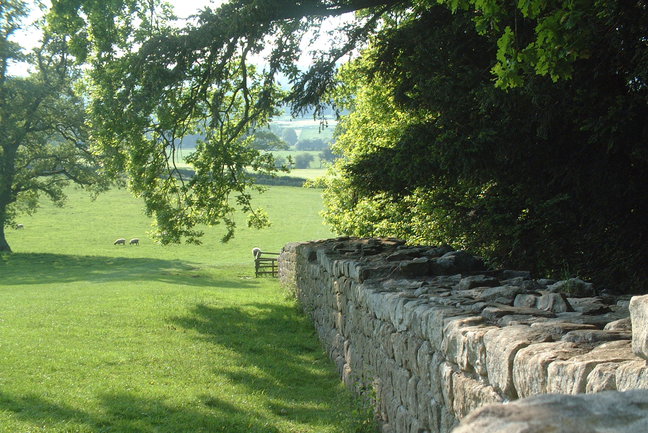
pixel 7 173
pixel 5 198
pixel 4 245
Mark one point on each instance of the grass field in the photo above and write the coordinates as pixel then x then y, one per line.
pixel 102 338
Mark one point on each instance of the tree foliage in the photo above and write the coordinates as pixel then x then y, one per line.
pixel 290 136
pixel 266 140
pixel 303 160
pixel 44 144
pixel 548 175
pixel 513 128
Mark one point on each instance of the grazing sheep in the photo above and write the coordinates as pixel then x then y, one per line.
pixel 19 226
pixel 134 241
pixel 120 241
pixel 256 252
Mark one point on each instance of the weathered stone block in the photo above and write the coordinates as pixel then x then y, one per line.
pixel 605 412
pixel 501 347
pixel 602 378
pixel 436 317
pixel 639 317
pixel 531 363
pixel 432 353
pixel 463 344
pixel 470 394
pixel 632 375
pixel 570 376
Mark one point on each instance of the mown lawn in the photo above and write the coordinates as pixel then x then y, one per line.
pixel 102 338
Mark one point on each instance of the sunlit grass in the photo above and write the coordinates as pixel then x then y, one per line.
pixel 102 338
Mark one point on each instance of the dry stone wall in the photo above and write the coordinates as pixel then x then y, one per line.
pixel 432 335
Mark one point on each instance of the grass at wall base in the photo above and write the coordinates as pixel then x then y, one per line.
pixel 102 338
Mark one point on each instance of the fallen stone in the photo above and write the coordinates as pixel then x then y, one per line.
pixel 589 305
pixel 508 274
pixel 546 281
pixel 456 262
pixel 501 294
pixel 639 318
pixel 519 319
pixel 526 300
pixel 619 325
pixel 477 307
pixel 405 252
pixel 495 312
pixel 438 251
pixel 554 302
pixel 444 281
pixel 598 321
pixel 558 329
pixel 417 267
pixel 623 303
pixel 573 287
pixel 605 412
pixel 377 272
pixel 595 336
pixel 473 281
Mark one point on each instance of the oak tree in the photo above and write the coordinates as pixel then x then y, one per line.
pixel 44 144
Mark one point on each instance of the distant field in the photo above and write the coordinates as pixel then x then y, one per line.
pixel 308 173
pixel 316 169
pixel 123 339
pixel 315 164
pixel 309 129
pixel 89 228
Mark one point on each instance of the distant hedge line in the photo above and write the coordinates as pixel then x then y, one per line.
pixel 261 179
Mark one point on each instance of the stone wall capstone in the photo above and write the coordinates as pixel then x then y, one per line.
pixel 431 334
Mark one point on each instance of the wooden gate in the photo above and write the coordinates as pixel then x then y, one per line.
pixel 265 263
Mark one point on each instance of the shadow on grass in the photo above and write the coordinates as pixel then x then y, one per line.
pixel 125 413
pixel 33 268
pixel 279 356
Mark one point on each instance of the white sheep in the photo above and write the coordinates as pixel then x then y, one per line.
pixel 256 252
pixel 20 226
pixel 120 241
pixel 134 241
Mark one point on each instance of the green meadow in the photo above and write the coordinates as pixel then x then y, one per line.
pixel 96 337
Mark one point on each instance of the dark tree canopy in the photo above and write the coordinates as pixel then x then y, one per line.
pixel 515 129
pixel 547 175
